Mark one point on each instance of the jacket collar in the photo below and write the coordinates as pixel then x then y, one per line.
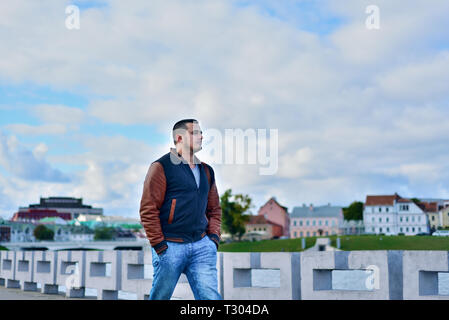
pixel 176 158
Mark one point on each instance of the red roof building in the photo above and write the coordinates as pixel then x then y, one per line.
pixel 32 215
pixel 259 228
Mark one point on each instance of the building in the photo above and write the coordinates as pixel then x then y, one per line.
pixel 310 221
pixel 259 228
pixel 5 233
pixel 81 233
pixel 62 205
pixel 352 227
pixel 21 231
pixel 34 215
pixel 276 214
pixel 433 215
pixel 393 215
pixel 443 216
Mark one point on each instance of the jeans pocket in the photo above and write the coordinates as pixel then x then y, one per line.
pixel 213 243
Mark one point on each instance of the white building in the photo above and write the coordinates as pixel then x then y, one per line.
pixel 392 214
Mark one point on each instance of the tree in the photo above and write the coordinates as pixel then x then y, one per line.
pixel 354 211
pixel 233 209
pixel 104 233
pixel 41 232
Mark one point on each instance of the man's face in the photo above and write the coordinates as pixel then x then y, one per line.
pixel 193 137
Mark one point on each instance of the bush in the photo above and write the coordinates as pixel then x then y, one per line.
pixel 41 232
pixel 104 233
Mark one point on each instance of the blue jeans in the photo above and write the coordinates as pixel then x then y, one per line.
pixel 197 260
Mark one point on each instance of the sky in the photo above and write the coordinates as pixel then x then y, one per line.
pixel 358 111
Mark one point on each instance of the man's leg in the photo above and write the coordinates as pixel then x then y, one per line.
pixel 167 270
pixel 201 270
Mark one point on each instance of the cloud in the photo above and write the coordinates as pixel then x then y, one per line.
pixel 23 163
pixel 358 111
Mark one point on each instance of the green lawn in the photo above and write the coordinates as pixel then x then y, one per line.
pixel 364 242
pixel 3 248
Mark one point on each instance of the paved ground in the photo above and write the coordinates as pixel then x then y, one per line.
pixel 18 294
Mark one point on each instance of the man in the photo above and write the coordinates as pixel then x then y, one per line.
pixel 181 214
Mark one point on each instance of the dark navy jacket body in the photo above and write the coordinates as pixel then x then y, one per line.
pixel 183 212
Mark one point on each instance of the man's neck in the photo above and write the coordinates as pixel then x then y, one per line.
pixel 188 159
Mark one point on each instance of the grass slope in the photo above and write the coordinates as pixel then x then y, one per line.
pixel 363 242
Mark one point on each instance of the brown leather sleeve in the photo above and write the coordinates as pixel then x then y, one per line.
pixel 152 199
pixel 213 212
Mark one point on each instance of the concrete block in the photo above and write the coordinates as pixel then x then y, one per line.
pixel 8 265
pixel 104 272
pixel 245 276
pixel 421 269
pixel 45 270
pixel 25 270
pixel 363 274
pixel 71 272
pixel 137 272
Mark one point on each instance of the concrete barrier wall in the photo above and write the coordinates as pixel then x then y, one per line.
pixel 367 275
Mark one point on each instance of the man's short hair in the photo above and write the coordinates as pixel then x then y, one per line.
pixel 181 124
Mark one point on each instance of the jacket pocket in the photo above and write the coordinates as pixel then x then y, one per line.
pixel 172 211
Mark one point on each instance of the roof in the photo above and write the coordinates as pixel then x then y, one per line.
pixel 381 200
pixel 56 220
pixel 429 206
pixel 260 219
pixel 275 201
pixel 316 212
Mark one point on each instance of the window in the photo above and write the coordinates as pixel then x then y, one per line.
pixel 413 219
pixel 314 234
pixel 400 219
pixel 433 218
pixel 380 209
pixel 307 222
pixel 380 219
pixel 300 223
pixel 295 234
pixel 325 223
pixel 388 229
pixel 327 233
pixel 319 222
pixel 419 219
pixel 387 209
pixel 400 229
pixel 300 234
pixel 419 229
pixel 307 233
pixel 294 222
pixel 380 229
pixel 374 230
pixel 413 229
pixel 373 219
pixel 406 219
pixel 403 207
pixel 387 219
pixel 372 210
pixel 406 229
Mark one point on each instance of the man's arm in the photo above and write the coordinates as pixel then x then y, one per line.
pixel 152 199
pixel 213 213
